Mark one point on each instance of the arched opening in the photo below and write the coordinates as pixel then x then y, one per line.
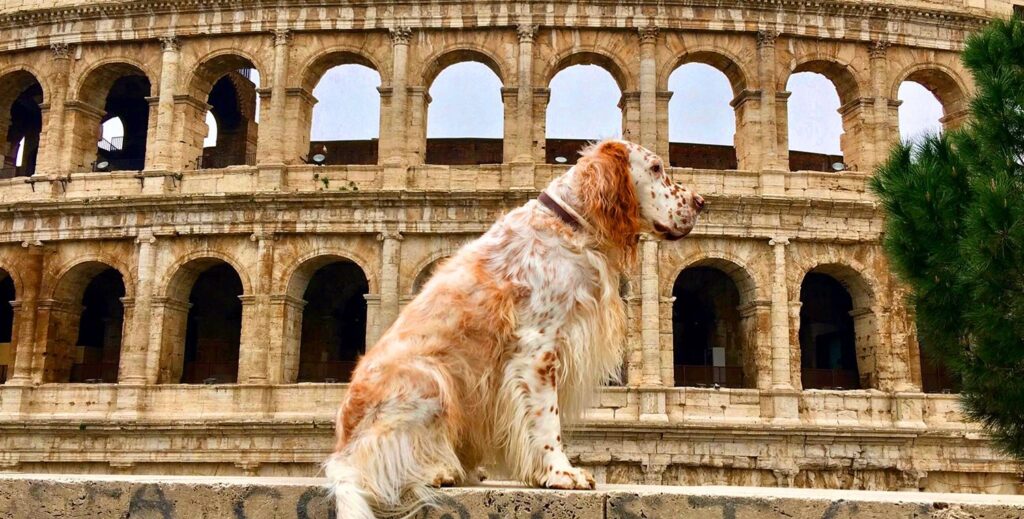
pixel 425 275
pixel 213 328
pixel 920 112
pixel 585 105
pixel 345 123
pixel 101 323
pixel 21 123
pixel 465 117
pixel 701 122
pixel 815 125
pixel 113 91
pixel 234 108
pixel 333 323
pixel 7 297
pixel 708 336
pixel 85 323
pixel 828 349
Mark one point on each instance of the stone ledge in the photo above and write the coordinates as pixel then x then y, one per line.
pixel 44 496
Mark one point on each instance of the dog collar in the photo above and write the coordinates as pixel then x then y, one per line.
pixel 563 211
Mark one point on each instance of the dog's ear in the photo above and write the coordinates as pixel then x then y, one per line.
pixel 608 196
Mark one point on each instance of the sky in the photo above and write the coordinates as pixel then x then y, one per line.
pixel 466 102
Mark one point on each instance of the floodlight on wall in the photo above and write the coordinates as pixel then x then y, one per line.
pixel 101 165
pixel 561 160
pixel 319 159
pixel 838 166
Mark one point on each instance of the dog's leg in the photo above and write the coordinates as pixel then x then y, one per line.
pixel 532 418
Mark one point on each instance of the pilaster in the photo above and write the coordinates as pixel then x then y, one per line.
pixel 652 398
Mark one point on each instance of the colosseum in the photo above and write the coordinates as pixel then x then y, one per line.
pixel 185 307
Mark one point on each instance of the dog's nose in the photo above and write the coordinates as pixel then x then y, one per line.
pixel 698 201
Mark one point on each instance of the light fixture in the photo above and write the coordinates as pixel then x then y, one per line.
pixel 319 159
pixel 101 165
pixel 210 381
pixel 838 166
pixel 561 160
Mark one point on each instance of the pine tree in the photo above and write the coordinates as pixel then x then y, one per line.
pixel 955 234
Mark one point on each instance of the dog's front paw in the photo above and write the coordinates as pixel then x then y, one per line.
pixel 573 478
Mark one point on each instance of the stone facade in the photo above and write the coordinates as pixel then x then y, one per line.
pixel 200 355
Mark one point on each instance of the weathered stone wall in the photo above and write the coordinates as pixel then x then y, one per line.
pixel 274 221
pixel 38 497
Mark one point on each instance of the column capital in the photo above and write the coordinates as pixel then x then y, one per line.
pixel 60 50
pixel 390 235
pixel 878 48
pixel 400 35
pixel 145 236
pixel 766 38
pixel 262 235
pixel 282 36
pixel 526 32
pixel 648 34
pixel 780 241
pixel 170 43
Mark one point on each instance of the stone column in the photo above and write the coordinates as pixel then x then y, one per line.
pixel 51 156
pixel 541 97
pixel 629 103
pixel 886 110
pixel 524 96
pixel 162 155
pixel 255 350
pixel 781 377
pixel 391 253
pixel 774 151
pixel 136 348
pixel 649 137
pixel 275 142
pixel 26 314
pixel 652 399
pixel 394 160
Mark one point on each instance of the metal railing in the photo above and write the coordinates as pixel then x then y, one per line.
pixel 94 372
pixel 333 371
pixel 209 373
pixel 114 144
pixel 813 378
pixel 708 376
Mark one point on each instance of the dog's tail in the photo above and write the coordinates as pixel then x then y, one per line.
pixel 350 498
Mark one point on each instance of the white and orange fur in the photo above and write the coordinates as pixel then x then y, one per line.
pixel 507 340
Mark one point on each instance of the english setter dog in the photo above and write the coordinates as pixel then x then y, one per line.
pixel 507 340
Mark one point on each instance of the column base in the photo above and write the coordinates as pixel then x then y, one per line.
pixel 271 177
pixel 523 176
pixel 784 407
pixel 395 177
pixel 158 182
pixel 652 406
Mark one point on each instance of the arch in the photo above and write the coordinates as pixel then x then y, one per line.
pixel 85 323
pixel 942 81
pixel 838 329
pixel 726 62
pixel 349 86
pixel 202 321
pixel 440 60
pixel 920 113
pixel 735 267
pixel 187 268
pixel 227 81
pixel 112 88
pixel 21 122
pixel 96 81
pixel 317 65
pixel 72 274
pixel 424 274
pixel 465 126
pixel 332 323
pixel 295 276
pixel 8 294
pixel 845 78
pixel 593 56
pixel 702 122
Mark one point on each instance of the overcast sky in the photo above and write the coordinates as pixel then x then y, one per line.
pixel 584 98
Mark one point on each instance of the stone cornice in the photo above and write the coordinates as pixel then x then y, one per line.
pixel 264 18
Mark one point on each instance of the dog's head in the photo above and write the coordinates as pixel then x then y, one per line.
pixel 623 190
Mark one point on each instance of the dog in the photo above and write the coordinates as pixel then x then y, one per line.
pixel 508 339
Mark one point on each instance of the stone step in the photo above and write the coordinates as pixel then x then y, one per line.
pixel 38 496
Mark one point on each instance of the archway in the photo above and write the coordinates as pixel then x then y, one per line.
pixel 21 123
pixel 7 297
pixel 585 105
pixel 708 337
pixel 815 125
pixel 113 90
pixel 101 324
pixel 425 275
pixel 465 117
pixel 702 124
pixel 333 323
pixel 828 353
pixel 214 328
pixel 234 108
pixel 345 125
pixel 920 112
